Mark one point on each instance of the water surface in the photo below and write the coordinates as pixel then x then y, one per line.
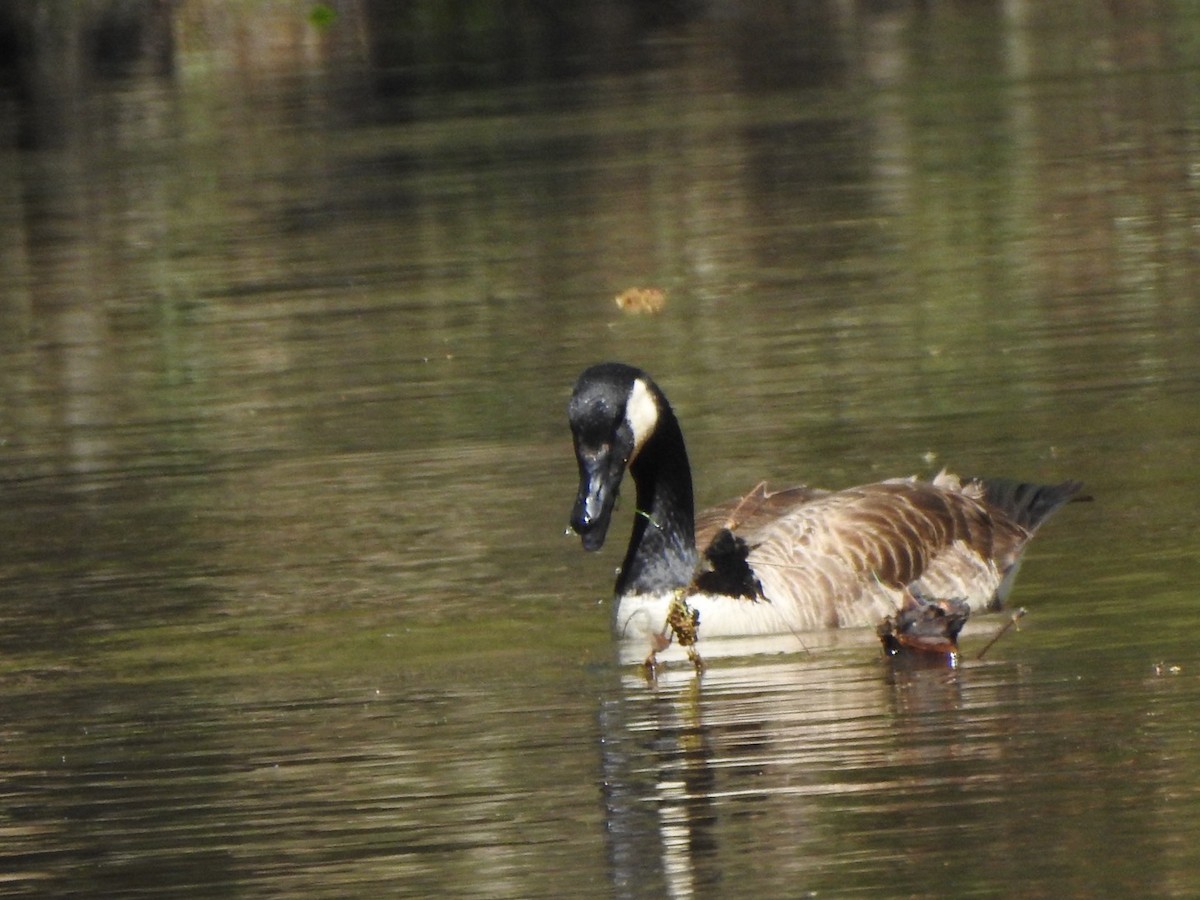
pixel 286 607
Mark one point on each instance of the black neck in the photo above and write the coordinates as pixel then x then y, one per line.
pixel 662 548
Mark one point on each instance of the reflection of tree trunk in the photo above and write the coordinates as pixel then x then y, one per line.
pixel 63 304
pixel 53 50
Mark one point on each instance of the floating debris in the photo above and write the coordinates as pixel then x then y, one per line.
pixel 1011 623
pixel 638 300
pixel 682 624
pixel 924 625
pixel 727 570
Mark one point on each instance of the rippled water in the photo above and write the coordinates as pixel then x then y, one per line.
pixel 286 607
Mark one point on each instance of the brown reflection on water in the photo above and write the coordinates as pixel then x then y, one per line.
pixel 296 790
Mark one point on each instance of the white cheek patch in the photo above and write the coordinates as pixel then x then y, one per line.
pixel 641 415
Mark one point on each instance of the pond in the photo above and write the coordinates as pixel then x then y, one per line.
pixel 286 338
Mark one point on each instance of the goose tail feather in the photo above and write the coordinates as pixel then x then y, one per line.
pixel 1028 504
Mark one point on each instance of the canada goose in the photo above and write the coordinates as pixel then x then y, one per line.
pixel 903 554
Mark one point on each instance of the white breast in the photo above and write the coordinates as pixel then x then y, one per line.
pixel 642 616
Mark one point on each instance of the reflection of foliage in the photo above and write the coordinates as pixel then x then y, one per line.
pixel 471 39
pixel 322 16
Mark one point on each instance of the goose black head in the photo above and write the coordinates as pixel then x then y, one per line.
pixel 613 410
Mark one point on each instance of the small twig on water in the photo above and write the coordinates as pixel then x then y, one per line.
pixel 999 634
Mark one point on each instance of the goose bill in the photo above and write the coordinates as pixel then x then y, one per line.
pixel 597 496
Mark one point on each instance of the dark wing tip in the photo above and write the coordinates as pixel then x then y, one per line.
pixel 1028 504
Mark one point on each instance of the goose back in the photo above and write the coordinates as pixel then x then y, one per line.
pixel 847 558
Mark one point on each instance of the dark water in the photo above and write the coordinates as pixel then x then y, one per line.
pixel 286 608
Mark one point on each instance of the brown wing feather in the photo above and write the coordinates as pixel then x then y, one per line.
pixel 846 557
pixel 759 507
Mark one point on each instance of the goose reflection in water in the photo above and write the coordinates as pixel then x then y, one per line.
pixel 766 765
